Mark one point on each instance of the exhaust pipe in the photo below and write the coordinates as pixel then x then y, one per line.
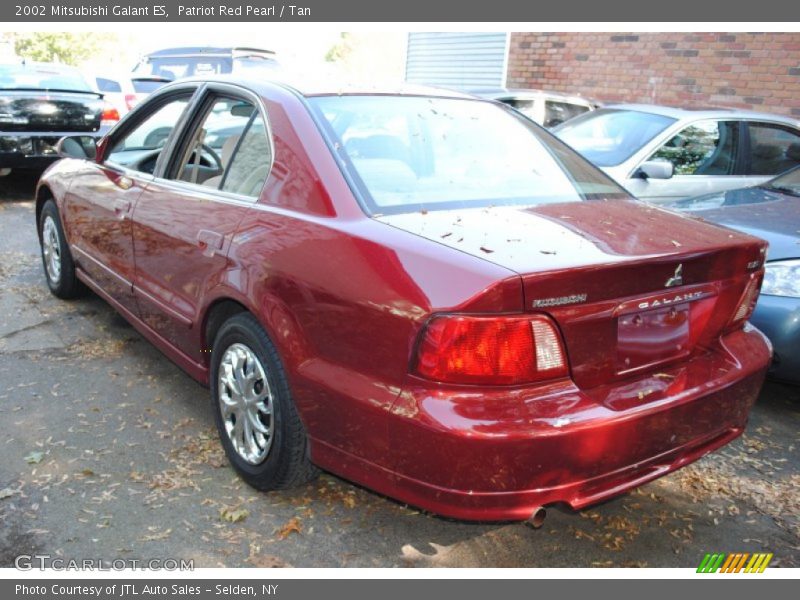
pixel 536 519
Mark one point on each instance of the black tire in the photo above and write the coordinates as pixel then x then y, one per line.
pixel 66 285
pixel 287 462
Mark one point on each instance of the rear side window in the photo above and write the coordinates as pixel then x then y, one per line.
pixel 555 113
pixel 526 107
pixel 773 149
pixel 703 148
pixel 251 162
pixel 228 150
pixel 108 85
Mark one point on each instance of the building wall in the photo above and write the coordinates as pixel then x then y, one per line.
pixel 744 70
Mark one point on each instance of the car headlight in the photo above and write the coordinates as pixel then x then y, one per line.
pixel 782 278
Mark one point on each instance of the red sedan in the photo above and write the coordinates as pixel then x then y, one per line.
pixel 422 292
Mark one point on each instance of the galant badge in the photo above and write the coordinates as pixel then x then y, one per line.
pixel 677 278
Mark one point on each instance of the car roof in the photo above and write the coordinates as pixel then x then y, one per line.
pixel 320 86
pixel 207 51
pixel 700 112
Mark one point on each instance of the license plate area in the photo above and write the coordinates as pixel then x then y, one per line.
pixel 653 336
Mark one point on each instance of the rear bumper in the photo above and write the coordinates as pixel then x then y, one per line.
pixel 779 318
pixel 34 150
pixel 500 455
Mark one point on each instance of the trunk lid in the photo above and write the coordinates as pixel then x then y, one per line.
pixel 631 286
pixel 50 110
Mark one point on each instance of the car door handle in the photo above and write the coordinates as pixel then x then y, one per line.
pixel 210 241
pixel 122 207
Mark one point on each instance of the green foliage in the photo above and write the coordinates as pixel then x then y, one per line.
pixel 62 47
pixel 341 50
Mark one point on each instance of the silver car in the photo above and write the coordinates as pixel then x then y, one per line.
pixel 663 154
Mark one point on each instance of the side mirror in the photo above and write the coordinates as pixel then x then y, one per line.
pixel 656 169
pixel 77 146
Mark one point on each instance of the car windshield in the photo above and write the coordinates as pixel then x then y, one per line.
pixel 608 136
pixel 41 77
pixel 789 182
pixel 408 153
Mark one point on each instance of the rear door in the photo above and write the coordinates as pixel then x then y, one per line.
pixel 103 195
pixel 184 220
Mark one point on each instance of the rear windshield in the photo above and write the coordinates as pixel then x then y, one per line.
pixel 609 137
pixel 175 67
pixel 789 182
pixel 408 153
pixel 40 77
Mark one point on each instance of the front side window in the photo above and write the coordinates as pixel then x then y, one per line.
pixel 138 148
pixel 608 137
pixel 411 153
pixel 556 113
pixel 773 149
pixel 703 148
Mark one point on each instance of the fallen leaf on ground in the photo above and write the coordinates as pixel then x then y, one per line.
pixel 292 526
pixel 34 458
pixel 7 493
pixel 233 515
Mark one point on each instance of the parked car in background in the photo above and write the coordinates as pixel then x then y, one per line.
pixel 546 108
pixel 124 92
pixel 417 290
pixel 203 61
pixel 39 104
pixel 660 153
pixel 770 211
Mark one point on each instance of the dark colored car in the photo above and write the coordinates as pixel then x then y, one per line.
pixel 39 104
pixel 422 292
pixel 203 61
pixel 770 211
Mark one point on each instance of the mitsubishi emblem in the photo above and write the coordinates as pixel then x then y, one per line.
pixel 677 278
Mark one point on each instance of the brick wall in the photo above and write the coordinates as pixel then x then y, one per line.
pixel 745 70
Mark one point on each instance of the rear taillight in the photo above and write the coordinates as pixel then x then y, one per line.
pixel 131 100
pixel 497 350
pixel 110 115
pixel 747 303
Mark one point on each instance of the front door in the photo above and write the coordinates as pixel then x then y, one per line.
pixel 705 157
pixel 102 198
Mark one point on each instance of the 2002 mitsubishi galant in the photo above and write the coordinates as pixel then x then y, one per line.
pixel 422 292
